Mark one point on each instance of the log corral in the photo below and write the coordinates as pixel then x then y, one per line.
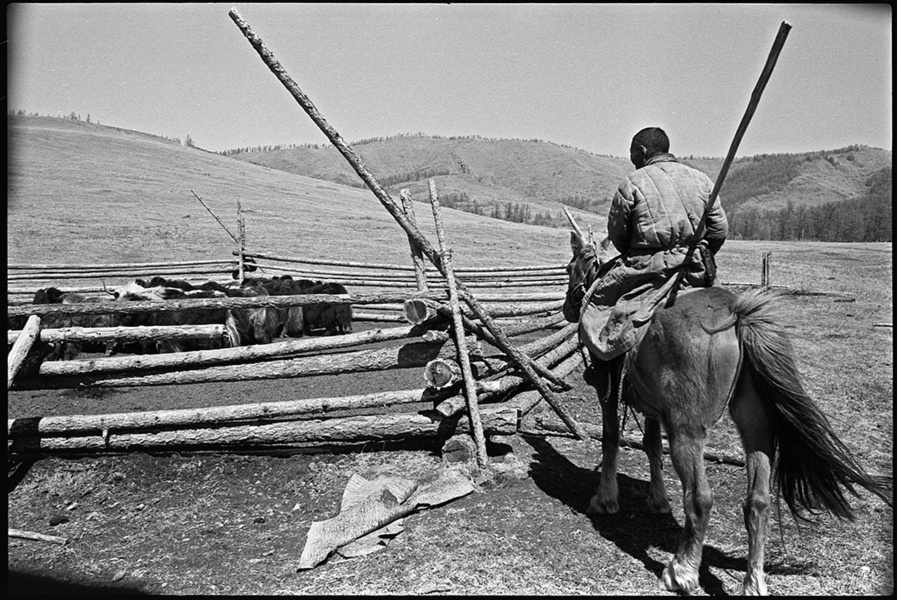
pixel 397 328
pixel 451 315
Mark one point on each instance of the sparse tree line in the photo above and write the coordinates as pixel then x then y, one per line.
pixel 73 116
pixel 370 140
pixel 516 212
pixel 587 202
pixel 866 219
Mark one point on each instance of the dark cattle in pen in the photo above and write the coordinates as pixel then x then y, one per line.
pixel 332 318
pixel 292 317
pixel 247 326
pixel 137 291
pixel 69 350
pixel 244 325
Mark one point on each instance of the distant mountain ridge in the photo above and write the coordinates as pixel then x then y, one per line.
pixel 479 174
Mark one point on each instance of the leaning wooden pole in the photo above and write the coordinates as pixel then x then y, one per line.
pixel 777 45
pixel 420 272
pixel 522 360
pixel 21 347
pixel 473 411
pixel 206 206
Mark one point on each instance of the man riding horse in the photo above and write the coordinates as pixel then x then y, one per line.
pixel 655 222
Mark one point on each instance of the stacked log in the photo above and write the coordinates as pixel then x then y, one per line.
pixel 421 340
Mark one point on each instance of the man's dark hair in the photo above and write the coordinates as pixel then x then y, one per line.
pixel 654 139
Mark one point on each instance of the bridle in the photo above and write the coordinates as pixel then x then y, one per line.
pixel 579 294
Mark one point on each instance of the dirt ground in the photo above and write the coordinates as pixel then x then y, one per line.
pixel 235 523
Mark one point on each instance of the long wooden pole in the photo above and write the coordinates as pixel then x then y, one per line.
pixel 232 236
pixel 777 45
pixel 470 390
pixel 522 360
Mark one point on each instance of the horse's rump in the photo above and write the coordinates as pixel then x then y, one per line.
pixel 689 357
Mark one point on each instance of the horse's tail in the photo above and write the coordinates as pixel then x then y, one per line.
pixel 813 467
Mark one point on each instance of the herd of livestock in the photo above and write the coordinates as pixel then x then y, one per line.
pixel 243 326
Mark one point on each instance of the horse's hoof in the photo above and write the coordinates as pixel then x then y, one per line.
pixel 602 507
pixel 658 508
pixel 753 587
pixel 675 580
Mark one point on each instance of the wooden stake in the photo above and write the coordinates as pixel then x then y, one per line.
pixel 232 236
pixel 241 243
pixel 20 349
pixel 522 360
pixel 473 410
pixel 420 274
pixel 40 537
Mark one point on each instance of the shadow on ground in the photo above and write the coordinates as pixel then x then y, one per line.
pixel 632 530
pixel 29 584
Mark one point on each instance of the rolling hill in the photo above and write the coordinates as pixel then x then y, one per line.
pixel 86 193
pixel 543 175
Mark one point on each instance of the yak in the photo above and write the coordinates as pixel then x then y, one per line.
pixel 331 318
pixel 69 350
pixel 137 292
pixel 244 326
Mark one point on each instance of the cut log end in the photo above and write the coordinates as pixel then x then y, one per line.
pixel 417 311
pixel 440 373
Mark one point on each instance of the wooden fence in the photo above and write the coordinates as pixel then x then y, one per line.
pixel 420 338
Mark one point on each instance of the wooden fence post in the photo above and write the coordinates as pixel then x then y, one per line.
pixel 420 274
pixel 764 270
pixel 473 411
pixel 241 228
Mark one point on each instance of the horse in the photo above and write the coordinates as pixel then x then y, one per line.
pixel 708 350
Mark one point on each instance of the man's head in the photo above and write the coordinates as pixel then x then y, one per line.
pixel 648 142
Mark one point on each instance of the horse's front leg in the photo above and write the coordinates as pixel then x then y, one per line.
pixel 604 502
pixel 657 502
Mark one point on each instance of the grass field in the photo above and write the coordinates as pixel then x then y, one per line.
pixel 217 523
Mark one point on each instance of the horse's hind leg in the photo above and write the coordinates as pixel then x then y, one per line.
pixel 750 416
pixel 657 502
pixel 687 453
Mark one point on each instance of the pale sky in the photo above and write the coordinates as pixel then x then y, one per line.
pixel 583 75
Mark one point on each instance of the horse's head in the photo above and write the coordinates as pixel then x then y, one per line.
pixel 588 257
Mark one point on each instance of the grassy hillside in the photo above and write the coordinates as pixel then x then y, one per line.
pixel 541 175
pixel 92 194
pixel 88 193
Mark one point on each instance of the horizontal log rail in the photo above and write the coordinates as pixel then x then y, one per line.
pixel 214 415
pixel 491 389
pixel 445 371
pixel 148 265
pixel 126 334
pixel 256 352
pixel 495 420
pixel 409 355
pixel 100 308
pixel 390 267
pixel 119 273
pixel 498 272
